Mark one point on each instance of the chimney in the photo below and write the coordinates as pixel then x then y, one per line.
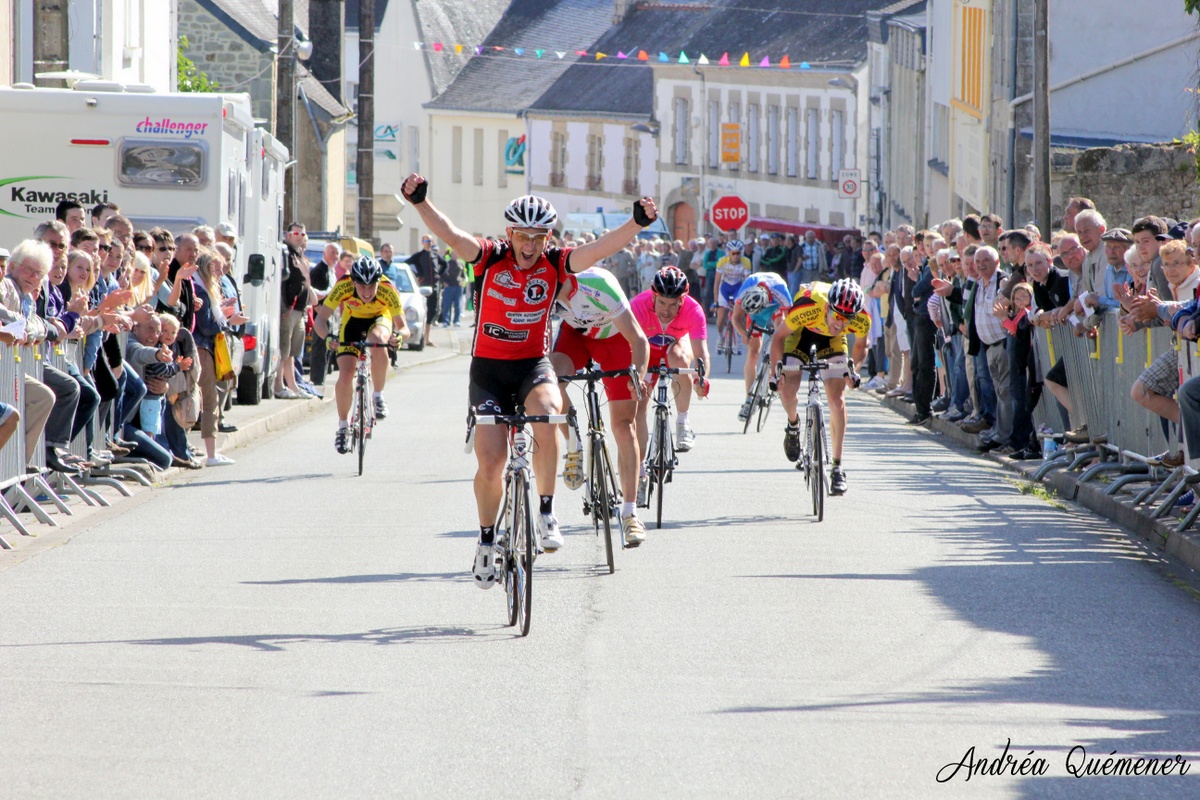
pixel 326 30
pixel 620 9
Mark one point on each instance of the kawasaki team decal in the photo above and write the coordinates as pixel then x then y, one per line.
pixel 20 199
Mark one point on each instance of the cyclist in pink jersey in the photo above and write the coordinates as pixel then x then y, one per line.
pixel 674 324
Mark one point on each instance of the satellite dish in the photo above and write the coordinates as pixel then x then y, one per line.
pixel 70 76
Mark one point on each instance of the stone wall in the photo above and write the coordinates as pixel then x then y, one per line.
pixel 229 60
pixel 1129 181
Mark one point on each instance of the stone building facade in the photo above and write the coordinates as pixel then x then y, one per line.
pixel 1128 181
pixel 235 64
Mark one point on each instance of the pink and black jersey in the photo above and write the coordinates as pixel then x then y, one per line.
pixel 512 305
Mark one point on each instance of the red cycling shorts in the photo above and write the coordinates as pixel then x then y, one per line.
pixel 611 353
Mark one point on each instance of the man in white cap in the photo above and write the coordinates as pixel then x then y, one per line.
pixel 226 233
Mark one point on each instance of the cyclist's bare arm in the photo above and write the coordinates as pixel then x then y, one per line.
pixel 400 327
pixel 739 320
pixel 628 327
pixel 321 320
pixel 610 243
pixel 782 331
pixel 462 243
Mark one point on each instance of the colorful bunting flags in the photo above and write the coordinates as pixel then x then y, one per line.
pixel 641 55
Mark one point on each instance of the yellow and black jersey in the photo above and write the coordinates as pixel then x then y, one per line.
pixel 386 303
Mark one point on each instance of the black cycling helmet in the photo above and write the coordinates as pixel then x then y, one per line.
pixel 366 270
pixel 670 282
pixel 846 297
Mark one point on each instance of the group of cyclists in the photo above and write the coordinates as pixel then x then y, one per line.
pixel 523 282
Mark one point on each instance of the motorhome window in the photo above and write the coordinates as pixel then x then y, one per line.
pixel 241 223
pixel 266 175
pixel 165 164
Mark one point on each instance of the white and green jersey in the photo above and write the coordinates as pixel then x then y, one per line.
pixel 594 300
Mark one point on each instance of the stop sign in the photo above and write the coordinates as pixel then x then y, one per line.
pixel 730 213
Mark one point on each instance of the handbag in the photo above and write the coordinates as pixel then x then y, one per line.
pixel 222 360
pixel 185 408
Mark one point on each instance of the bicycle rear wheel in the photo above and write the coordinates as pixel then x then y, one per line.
pixel 602 501
pixel 360 430
pixel 509 564
pixel 817 466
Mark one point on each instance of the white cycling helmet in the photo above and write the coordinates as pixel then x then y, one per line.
pixel 735 246
pixel 754 300
pixel 531 211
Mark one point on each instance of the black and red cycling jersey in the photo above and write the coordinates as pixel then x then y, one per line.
pixel 512 305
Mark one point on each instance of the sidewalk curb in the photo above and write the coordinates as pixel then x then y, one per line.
pixel 1160 534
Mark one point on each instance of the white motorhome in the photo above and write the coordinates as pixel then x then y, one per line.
pixel 169 160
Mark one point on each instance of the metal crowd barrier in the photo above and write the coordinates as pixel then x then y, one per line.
pixel 33 484
pixel 1045 413
pixel 12 457
pixel 62 356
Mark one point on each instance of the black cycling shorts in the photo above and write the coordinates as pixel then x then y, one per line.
pixel 498 385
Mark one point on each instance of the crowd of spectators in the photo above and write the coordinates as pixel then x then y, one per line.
pixel 954 310
pixel 141 316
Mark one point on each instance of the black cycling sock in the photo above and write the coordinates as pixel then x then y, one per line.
pixel 487 534
pixel 837 462
pixel 547 503
pixel 795 424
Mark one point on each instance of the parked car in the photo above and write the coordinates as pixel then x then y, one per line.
pixel 413 298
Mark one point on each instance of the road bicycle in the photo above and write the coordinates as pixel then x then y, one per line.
pixel 601 497
pixel 660 454
pixel 517 539
pixel 726 345
pixel 362 411
pixel 815 445
pixel 761 393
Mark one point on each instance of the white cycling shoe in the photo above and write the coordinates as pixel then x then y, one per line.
pixel 549 533
pixel 486 571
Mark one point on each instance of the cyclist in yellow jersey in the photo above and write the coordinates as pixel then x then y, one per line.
pixel 371 311
pixel 821 315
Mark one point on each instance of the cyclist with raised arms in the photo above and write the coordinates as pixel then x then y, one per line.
pixel 761 298
pixel 674 324
pixel 371 311
pixel 732 270
pixel 821 315
pixel 598 324
pixel 516 281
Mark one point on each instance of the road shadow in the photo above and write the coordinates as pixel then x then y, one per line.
pixel 277 642
pixel 1116 645
pixel 395 577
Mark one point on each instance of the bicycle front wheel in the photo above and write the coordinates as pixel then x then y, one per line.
pixel 764 410
pixel 661 465
pixel 817 466
pixel 728 346
pixel 525 555
pixel 360 430
pixel 602 500
pixel 508 566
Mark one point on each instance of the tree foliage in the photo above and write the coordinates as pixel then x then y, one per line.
pixel 192 79
pixel 1191 6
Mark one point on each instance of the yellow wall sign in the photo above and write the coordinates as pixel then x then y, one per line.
pixel 731 143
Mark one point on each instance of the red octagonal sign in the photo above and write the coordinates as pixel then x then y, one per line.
pixel 730 213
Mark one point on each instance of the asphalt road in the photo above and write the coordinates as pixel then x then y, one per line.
pixel 283 628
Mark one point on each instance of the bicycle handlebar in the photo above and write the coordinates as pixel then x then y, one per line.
pixel 365 344
pixel 593 375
